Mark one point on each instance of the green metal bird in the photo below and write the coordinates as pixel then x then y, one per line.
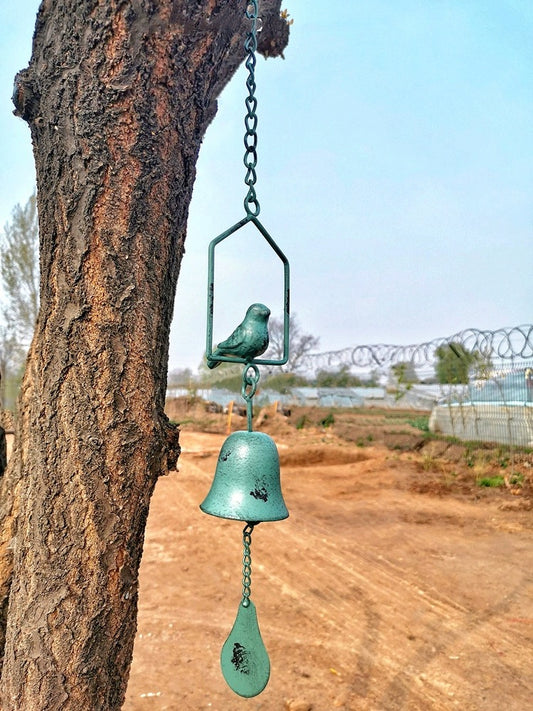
pixel 248 340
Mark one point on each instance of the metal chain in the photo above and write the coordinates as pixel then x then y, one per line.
pixel 251 203
pixel 247 564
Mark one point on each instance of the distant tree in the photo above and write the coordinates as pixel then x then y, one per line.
pixel 19 270
pixel 482 367
pixel 19 275
pixel 227 380
pixel 180 378
pixel 227 377
pixel 183 379
pixel 404 373
pixel 284 382
pixel 337 379
pixel 300 344
pixel 402 377
pixel 11 367
pixel 454 363
pixel 374 379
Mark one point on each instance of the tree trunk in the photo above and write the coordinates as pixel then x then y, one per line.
pixel 118 96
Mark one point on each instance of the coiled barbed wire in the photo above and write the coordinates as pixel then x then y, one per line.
pixel 508 343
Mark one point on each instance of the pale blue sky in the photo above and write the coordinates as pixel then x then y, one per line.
pixel 395 171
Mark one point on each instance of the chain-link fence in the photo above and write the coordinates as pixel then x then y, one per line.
pixel 497 408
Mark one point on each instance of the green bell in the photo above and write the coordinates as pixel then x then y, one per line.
pixel 246 486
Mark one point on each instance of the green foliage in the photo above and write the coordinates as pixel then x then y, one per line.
pixel 405 373
pixel 233 383
pixel 503 459
pixel 336 379
pixel 491 481
pixel 420 423
pixel 301 422
pixel 227 376
pixel 402 378
pixel 284 382
pixel 454 363
pixel 328 420
pixel 470 455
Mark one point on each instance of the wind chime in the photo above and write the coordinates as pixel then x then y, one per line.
pixel 246 486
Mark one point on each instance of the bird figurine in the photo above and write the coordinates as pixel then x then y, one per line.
pixel 248 340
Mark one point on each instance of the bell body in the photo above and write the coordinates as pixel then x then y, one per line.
pixel 246 486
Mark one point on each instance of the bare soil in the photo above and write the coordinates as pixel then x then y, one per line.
pixel 396 583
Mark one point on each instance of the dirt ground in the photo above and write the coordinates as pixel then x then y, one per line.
pixel 397 582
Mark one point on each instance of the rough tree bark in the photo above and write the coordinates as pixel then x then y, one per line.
pixel 118 95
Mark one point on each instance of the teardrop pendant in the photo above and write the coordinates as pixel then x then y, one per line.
pixel 244 659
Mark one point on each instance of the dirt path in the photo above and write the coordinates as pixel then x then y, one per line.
pixel 370 596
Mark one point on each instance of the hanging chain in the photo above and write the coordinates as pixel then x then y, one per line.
pixel 249 388
pixel 251 203
pixel 247 564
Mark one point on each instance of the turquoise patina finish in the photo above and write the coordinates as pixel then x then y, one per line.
pixel 252 209
pixel 246 485
pixel 244 659
pixel 249 340
pixel 214 358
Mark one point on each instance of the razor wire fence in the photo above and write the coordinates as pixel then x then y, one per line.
pixel 479 383
pixel 504 344
pixel 485 392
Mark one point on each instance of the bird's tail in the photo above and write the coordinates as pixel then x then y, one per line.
pixel 213 364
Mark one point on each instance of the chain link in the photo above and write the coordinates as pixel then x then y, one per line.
pixel 247 564
pixel 249 381
pixel 249 388
pixel 251 203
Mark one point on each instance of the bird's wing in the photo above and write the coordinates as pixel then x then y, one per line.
pixel 233 342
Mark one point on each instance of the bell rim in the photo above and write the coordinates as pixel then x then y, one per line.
pixel 244 520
